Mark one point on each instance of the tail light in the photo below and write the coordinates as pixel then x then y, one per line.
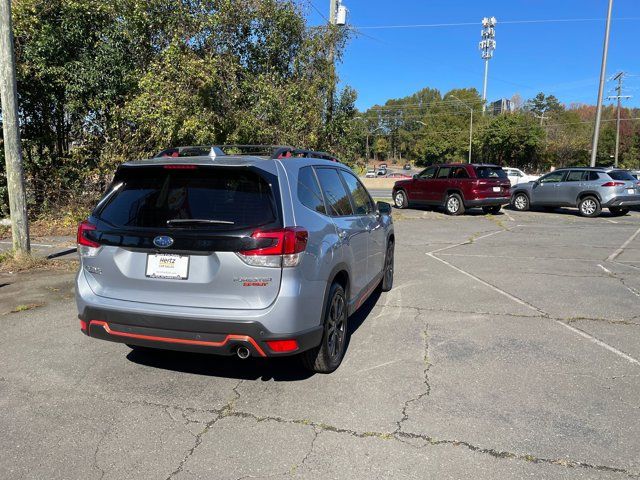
pixel 613 184
pixel 281 346
pixel 86 246
pixel 285 250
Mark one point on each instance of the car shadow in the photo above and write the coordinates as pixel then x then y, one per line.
pixel 284 369
pixel 570 211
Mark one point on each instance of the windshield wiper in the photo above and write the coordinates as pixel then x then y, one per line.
pixel 197 221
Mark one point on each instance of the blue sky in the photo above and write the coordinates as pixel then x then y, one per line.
pixel 557 58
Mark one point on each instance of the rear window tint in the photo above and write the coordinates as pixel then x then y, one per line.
pixel 149 197
pixel 621 175
pixel 490 172
pixel 334 191
pixel 308 190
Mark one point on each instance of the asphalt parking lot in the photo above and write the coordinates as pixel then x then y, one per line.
pixel 508 348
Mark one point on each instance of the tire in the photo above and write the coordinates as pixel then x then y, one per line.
pixel 400 199
pixel 387 272
pixel 618 211
pixel 520 202
pixel 589 206
pixel 492 210
pixel 453 205
pixel 327 356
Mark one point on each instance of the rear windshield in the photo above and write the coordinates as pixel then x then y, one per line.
pixel 490 172
pixel 621 175
pixel 149 197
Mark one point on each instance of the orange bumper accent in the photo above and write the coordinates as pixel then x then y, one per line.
pixel 184 341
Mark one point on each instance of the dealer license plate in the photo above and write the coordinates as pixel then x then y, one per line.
pixel 630 191
pixel 496 189
pixel 166 265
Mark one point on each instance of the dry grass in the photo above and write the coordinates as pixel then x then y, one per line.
pixel 11 262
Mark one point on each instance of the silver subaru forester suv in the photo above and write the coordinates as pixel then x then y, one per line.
pixel 233 254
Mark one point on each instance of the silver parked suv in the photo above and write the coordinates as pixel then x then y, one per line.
pixel 233 254
pixel 588 189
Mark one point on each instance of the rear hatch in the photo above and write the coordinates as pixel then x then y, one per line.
pixel 492 181
pixel 623 183
pixel 169 235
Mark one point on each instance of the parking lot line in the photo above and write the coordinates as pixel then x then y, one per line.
pixel 465 242
pixel 593 339
pixel 613 256
pixel 492 287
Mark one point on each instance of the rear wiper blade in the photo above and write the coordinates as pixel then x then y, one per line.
pixel 197 221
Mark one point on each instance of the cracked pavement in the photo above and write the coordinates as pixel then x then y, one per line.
pixel 508 348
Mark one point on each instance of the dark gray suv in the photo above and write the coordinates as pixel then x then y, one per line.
pixel 233 254
pixel 588 189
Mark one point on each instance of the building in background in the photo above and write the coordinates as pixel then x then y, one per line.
pixel 504 105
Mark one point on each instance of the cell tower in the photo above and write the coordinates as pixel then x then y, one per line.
pixel 487 46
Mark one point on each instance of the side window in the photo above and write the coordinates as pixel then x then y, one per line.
pixel 309 192
pixel 338 201
pixel 362 203
pixel 458 172
pixel 590 176
pixel 552 177
pixel 444 172
pixel 575 176
pixel 428 173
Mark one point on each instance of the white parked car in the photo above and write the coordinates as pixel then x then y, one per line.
pixel 371 173
pixel 517 176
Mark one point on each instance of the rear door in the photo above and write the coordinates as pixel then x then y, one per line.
pixel 439 185
pixel 570 188
pixel 352 230
pixel 364 207
pixel 170 236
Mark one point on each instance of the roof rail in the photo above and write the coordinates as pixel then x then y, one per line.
pixel 219 150
pixel 290 152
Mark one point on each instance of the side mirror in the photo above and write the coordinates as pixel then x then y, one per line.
pixel 415 176
pixel 384 208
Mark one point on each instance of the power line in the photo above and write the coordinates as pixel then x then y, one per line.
pixel 508 22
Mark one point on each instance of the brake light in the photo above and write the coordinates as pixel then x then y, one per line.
pixel 86 247
pixel 180 167
pixel 613 184
pixel 282 345
pixel 285 249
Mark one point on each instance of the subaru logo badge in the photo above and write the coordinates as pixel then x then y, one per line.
pixel 163 241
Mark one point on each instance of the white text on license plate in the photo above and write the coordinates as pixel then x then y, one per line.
pixel 166 265
pixel 496 189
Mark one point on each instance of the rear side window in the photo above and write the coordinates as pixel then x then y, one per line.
pixel 149 197
pixel 459 172
pixel 443 172
pixel 361 200
pixel 490 172
pixel 621 175
pixel 590 176
pixel 337 198
pixel 309 191
pixel 575 176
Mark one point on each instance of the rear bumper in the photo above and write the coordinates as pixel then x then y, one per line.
pixel 190 334
pixel 487 202
pixel 623 201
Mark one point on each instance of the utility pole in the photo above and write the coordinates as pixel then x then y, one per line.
pixel 619 76
pixel 11 132
pixel 487 46
pixel 337 17
pixel 603 70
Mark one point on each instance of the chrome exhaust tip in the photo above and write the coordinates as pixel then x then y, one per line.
pixel 243 352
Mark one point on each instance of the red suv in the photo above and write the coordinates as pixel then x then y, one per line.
pixel 455 186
